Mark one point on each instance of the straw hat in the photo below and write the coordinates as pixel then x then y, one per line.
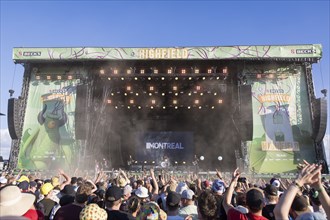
pixel 13 202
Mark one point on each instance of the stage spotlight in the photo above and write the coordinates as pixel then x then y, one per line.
pixel 190 78
pixel 169 71
pixel 137 94
pixel 176 162
pixel 102 71
pixel 215 93
pixel 151 88
pixel 139 107
pixel 220 158
pixel 151 107
pixel 125 94
pixel 115 71
pixel 183 71
pixel 37 77
pixel 149 78
pixel 164 107
pixel 196 101
pixel 198 88
pixel 189 94
pixel 153 101
pixel 135 162
pixel 218 77
pixel 196 70
pixel 145 161
pixel 225 70
pixel 109 101
pixel 203 78
pixel 200 107
pixel 176 94
pixel 201 158
pixel 131 101
pixel 175 88
pixel 135 78
pixel 128 107
pixel 176 78
pixel 48 77
pixel 116 107
pixel 142 71
pixel 176 107
pixel 175 101
pixel 163 94
pixel 201 94
pixel 271 76
pixel 109 78
pixel 220 101
pixel 129 71
pixel 122 78
pixel 70 77
pixel 184 162
pixel 212 107
pixel 209 70
pixel 258 76
pixel 128 88
pixel 155 71
pixel 163 78
pixel 153 162
pixel 189 107
pixel 150 94
pixel 59 77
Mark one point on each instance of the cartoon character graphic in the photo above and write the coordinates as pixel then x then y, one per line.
pixel 43 148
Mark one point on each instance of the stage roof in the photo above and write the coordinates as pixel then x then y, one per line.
pixel 307 52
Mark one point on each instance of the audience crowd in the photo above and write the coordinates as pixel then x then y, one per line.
pixel 125 195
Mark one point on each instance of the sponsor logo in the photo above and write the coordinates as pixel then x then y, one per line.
pixel 164 146
pixel 31 54
pixel 305 51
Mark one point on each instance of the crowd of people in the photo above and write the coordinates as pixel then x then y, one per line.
pixel 124 195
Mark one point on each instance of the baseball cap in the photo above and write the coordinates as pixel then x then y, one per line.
pixel 254 198
pixel 173 199
pixel 46 188
pixel 271 190
pixel 113 194
pixel 180 187
pixel 218 186
pixel 187 194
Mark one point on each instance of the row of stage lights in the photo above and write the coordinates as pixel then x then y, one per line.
pixel 163 78
pixel 171 70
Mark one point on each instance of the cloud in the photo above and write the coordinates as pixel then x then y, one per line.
pixel 5 143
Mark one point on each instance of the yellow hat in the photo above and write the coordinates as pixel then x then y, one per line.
pixel 93 211
pixel 46 188
pixel 55 181
pixel 23 178
pixel 122 182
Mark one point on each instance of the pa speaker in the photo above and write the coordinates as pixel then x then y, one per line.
pixel 320 119
pixel 13 118
pixel 81 112
pixel 246 114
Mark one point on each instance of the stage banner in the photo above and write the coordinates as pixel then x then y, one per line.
pixel 48 140
pixel 158 146
pixel 282 125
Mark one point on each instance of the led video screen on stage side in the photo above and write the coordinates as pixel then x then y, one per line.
pixel 153 146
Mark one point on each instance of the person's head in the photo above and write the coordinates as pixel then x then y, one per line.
pixel 13 202
pixel 207 205
pixel 241 199
pixel 299 206
pixel 255 200
pixel 271 193
pixel 173 201
pixel 133 204
pixel 142 193
pixel 3 181
pixel 151 211
pixel 218 187
pixel 113 197
pixel 187 197
pixel 74 180
pixel 82 194
pixel 127 191
pixel 47 189
pixel 33 186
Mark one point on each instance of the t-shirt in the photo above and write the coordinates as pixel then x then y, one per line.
pixel 70 211
pixel 234 214
pixel 118 215
pixel 176 217
pixel 268 211
pixel 189 210
pixel 47 205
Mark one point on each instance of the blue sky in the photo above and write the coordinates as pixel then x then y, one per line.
pixel 156 24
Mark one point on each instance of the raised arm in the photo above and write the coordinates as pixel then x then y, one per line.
pixel 156 189
pixel 308 175
pixel 229 193
pixel 66 177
